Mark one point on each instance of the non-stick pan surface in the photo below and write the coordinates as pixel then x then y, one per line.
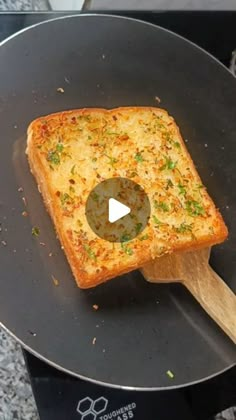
pixel 142 330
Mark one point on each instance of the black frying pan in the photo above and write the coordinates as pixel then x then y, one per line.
pixel 142 330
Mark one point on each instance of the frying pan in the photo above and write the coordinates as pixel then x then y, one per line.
pixel 142 330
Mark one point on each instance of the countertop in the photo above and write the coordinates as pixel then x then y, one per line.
pixel 16 397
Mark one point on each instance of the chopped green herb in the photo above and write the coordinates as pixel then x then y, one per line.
pixel 64 197
pixel 53 157
pixel 158 121
pixel 167 136
pixel 177 144
pixel 156 220
pixel 71 189
pixel 161 206
pixel 144 237
pixel 125 237
pixel 95 196
pixel 169 184
pixel 94 159
pixel 127 249
pixel 183 228
pixel 194 208
pixel 112 160
pixel 89 137
pixel 169 164
pixel 211 229
pixel 170 374
pixel 73 170
pixel 59 147
pixel 90 252
pixel 138 157
pixel 138 228
pixel 182 189
pixel 79 223
pixel 35 231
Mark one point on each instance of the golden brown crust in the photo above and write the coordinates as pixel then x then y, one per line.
pixel 88 273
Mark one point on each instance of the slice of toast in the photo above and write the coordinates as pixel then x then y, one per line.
pixel 71 152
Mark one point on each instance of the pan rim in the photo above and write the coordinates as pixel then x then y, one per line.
pixel 27 347
pixel 107 384
pixel 4 41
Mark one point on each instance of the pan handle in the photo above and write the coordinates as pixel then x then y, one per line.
pixel 215 297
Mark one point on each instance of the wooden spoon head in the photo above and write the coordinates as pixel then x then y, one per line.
pixel 172 267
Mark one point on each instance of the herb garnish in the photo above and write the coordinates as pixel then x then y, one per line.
pixel 112 160
pixel 53 157
pixel 194 208
pixel 138 228
pixel 138 157
pixel 156 220
pixel 161 206
pixel 95 196
pixel 59 147
pixel 182 189
pixel 184 228
pixel 170 374
pixel 169 164
pixel 64 197
pixel 35 231
pixel 125 238
pixel 90 252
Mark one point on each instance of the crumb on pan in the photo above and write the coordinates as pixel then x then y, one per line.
pixel 55 281
pixel 60 89
pixel 95 307
pixel 35 231
pixel 94 340
pixel 170 374
pixel 24 201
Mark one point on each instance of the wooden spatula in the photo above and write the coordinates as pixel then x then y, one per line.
pixel 193 270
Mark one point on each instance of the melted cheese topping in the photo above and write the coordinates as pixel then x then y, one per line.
pixel 80 149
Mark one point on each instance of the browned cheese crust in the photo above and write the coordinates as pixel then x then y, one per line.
pixel 71 152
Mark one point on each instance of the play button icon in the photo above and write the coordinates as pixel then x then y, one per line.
pixel 117 209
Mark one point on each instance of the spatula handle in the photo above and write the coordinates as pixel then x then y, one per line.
pixel 215 297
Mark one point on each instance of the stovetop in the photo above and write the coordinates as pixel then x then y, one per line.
pixel 60 396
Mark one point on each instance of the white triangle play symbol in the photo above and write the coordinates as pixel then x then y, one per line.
pixel 116 210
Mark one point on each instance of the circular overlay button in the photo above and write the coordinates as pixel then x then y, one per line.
pixel 117 209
